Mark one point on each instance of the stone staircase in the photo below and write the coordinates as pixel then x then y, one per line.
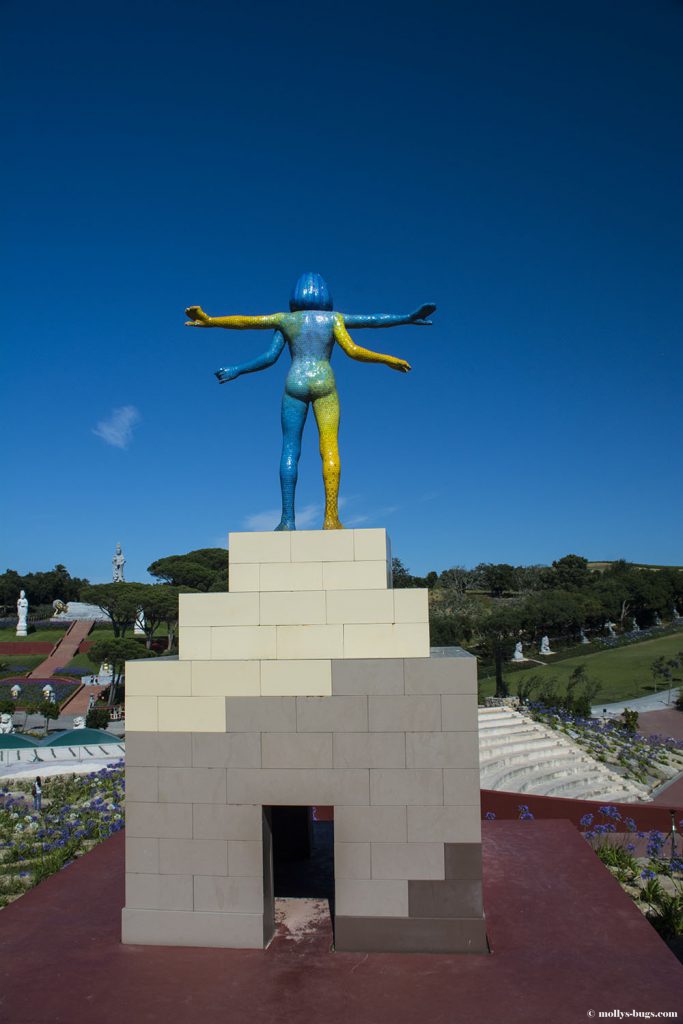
pixel 518 755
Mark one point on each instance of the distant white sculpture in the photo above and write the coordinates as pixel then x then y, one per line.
pixel 15 691
pixel 545 646
pixel 22 612
pixel 117 564
pixel 609 626
pixel 105 673
pixel 6 724
pixel 139 628
pixel 91 702
pixel 79 722
pixel 658 621
pixel 635 627
pixel 519 653
pixel 48 691
pixel 675 612
pixel 584 639
pixel 59 608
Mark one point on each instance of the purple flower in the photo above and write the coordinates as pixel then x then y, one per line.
pixel 586 821
pixel 490 816
pixel 647 874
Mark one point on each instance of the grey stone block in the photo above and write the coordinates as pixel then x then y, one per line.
pixel 408 860
pixel 159 892
pixel 369 750
pixel 158 749
pixel 441 675
pixel 461 785
pixel 370 824
pixel 226 750
pixel 185 928
pixel 410 935
pixel 364 676
pixel 463 861
pixel 227 821
pixel 261 714
pixel 142 784
pixel 142 855
pixel 459 712
pixel 352 860
pixel 445 824
pixel 405 714
pixel 379 897
pixel 193 856
pixel 332 714
pixel 305 787
pixel 422 786
pixel 245 858
pixel 145 820
pixel 297 750
pixel 452 898
pixel 442 750
pixel 220 894
pixel 192 785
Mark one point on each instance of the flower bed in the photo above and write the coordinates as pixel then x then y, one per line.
pixel 650 760
pixel 78 812
pixel 32 690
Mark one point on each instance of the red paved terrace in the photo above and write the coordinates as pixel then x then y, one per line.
pixel 565 940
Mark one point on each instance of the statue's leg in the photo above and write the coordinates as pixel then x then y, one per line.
pixel 327 417
pixel 294 413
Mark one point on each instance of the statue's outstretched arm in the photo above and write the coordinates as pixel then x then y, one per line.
pixel 419 317
pixel 198 318
pixel 267 358
pixel 364 355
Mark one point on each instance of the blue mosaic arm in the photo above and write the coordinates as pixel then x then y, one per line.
pixel 419 317
pixel 261 362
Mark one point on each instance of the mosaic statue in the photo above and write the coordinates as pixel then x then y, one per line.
pixel 310 330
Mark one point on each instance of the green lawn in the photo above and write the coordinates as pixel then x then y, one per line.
pixel 18 664
pixel 9 634
pixel 623 672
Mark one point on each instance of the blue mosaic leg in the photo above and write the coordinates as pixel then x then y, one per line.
pixel 294 413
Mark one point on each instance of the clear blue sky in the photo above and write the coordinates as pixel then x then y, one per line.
pixel 518 164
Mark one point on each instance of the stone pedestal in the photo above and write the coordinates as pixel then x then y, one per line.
pixel 309 683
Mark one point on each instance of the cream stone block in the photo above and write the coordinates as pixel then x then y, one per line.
pixel 260 547
pixel 371 545
pixel 156 677
pixel 310 641
pixel 190 714
pixel 360 606
pixel 322 546
pixel 218 610
pixel 405 640
pixel 355 575
pixel 306 607
pixel 226 678
pixel 243 578
pixel 236 643
pixel 280 576
pixel 142 714
pixel 411 605
pixel 296 678
pixel 194 642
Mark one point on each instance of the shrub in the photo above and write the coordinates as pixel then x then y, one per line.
pixel 97 718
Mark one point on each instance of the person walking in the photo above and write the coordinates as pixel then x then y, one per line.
pixel 37 794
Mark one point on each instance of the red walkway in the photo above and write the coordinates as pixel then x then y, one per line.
pixel 565 940
pixel 64 650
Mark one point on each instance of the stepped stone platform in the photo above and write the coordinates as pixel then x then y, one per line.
pixel 309 683
pixel 522 756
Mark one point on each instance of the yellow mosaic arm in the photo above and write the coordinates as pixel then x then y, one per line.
pixel 198 318
pixel 364 355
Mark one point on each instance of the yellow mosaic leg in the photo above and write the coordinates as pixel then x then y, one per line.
pixel 326 411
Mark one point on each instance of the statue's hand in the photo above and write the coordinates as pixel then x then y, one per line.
pixel 401 365
pixel 420 315
pixel 198 318
pixel 226 373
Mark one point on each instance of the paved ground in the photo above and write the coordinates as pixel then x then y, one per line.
pixel 654 702
pixel 565 940
pixel 64 651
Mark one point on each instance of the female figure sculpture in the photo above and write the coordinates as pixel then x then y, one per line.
pixel 310 330
pixel 22 614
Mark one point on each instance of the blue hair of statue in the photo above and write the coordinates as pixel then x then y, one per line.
pixel 310 292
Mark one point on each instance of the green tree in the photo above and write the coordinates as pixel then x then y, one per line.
pixel 500 631
pixel 497 578
pixel 97 718
pixel 116 651
pixel 120 601
pixel 571 572
pixel 402 578
pixel 160 605
pixel 49 710
pixel 205 569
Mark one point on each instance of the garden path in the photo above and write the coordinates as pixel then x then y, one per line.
pixel 64 650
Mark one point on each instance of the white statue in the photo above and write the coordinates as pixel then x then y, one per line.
pixel 48 692
pixel 117 564
pixel 609 626
pixel 519 653
pixel 675 612
pixel 139 628
pixel 15 691
pixel 658 621
pixel 6 724
pixel 22 612
pixel 636 627
pixel 91 702
pixel 545 646
pixel 79 722
pixel 583 637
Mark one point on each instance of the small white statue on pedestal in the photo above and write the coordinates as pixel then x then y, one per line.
pixel 117 564
pixel 609 626
pixel 6 724
pixel 584 639
pixel 22 612
pixel 519 652
pixel 658 621
pixel 636 627
pixel 675 612
pixel 139 628
pixel 79 722
pixel 545 646
pixel 15 691
pixel 48 692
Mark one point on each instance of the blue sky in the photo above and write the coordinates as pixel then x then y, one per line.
pixel 518 164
